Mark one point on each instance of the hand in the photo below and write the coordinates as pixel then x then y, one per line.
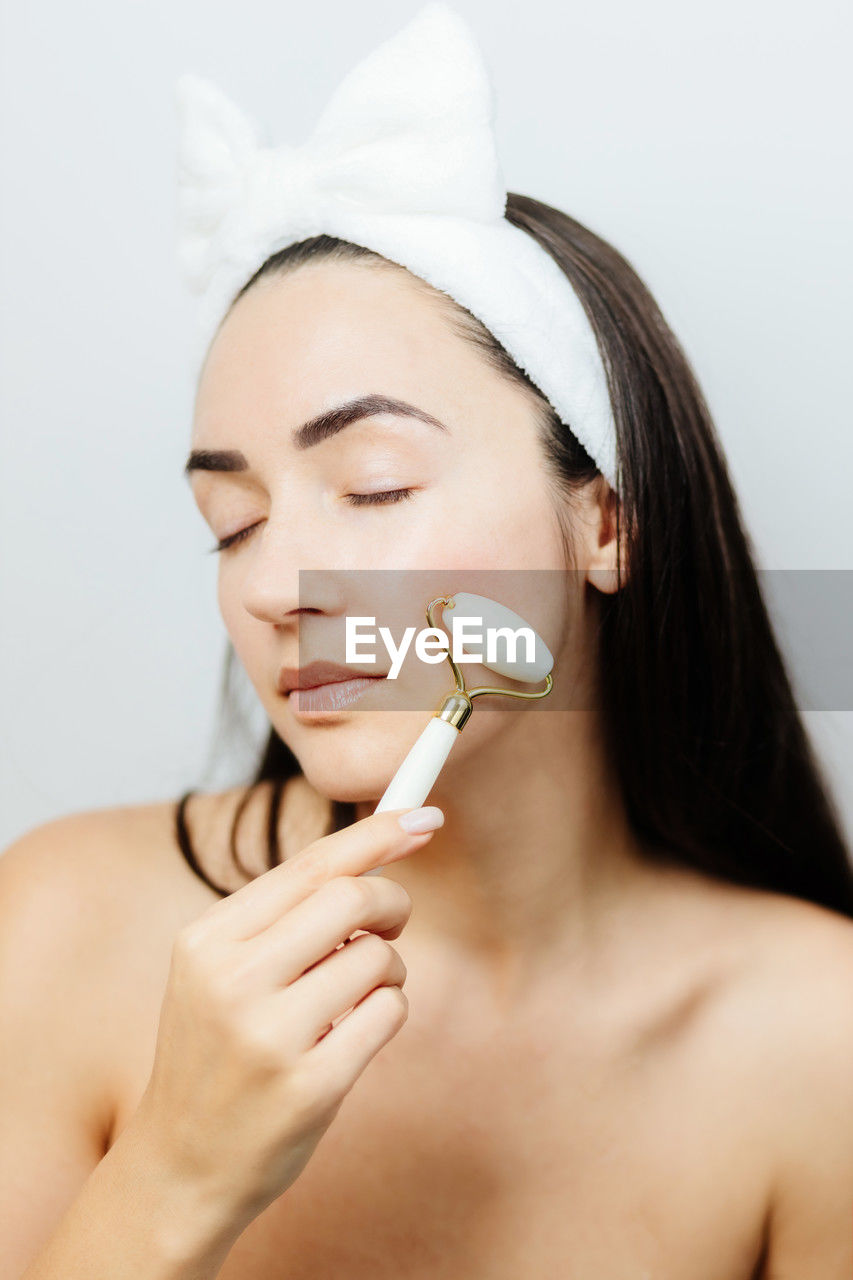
pixel 249 1070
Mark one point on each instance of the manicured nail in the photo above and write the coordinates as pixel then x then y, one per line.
pixel 426 819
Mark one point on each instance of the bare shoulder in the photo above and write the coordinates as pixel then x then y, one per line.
pixel 780 1039
pixel 801 969
pixel 97 870
pixel 114 871
pixel 770 978
pixel 800 955
pixel 89 905
pixel 94 887
pixel 781 964
pixel 807 973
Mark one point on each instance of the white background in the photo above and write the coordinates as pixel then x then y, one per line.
pixel 710 144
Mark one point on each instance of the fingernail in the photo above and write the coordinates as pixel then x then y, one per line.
pixel 426 819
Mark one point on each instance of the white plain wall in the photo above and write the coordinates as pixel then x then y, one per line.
pixel 710 144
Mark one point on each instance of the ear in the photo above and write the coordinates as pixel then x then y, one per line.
pixel 602 552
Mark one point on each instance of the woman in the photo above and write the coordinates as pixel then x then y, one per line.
pixel 626 1040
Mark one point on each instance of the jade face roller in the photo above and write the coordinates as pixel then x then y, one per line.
pixel 414 779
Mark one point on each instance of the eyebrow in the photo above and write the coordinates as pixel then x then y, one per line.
pixel 323 427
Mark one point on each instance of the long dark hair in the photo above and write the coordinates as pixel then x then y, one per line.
pixel 700 722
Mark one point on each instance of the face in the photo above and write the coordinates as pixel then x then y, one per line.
pixel 469 492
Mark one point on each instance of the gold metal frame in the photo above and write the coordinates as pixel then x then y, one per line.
pixel 456 706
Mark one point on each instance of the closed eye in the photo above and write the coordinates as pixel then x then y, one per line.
pixel 354 499
pixel 383 495
pixel 224 543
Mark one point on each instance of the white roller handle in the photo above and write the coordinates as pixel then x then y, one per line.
pixel 414 779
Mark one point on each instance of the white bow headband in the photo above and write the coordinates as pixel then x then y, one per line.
pixel 403 161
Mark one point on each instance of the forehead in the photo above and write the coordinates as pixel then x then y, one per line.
pixel 329 331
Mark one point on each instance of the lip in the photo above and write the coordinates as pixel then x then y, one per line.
pixel 319 701
pixel 321 672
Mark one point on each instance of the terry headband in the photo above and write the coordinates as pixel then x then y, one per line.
pixel 403 161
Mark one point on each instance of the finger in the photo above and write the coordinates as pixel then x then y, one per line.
pixel 341 980
pixel 341 1055
pixel 311 930
pixel 373 841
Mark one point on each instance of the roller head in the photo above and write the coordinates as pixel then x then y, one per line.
pixel 510 655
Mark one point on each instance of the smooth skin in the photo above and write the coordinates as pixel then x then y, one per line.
pixel 607 1068
pixel 254 1053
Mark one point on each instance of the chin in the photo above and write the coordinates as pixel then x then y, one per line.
pixel 353 758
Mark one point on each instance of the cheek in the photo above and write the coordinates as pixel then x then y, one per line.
pixel 238 621
pixel 508 525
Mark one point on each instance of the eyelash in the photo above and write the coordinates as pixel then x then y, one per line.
pixel 355 499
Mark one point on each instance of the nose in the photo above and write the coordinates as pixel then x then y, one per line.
pixel 279 584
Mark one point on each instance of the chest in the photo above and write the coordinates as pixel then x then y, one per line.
pixel 555 1152
pixel 507 1165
